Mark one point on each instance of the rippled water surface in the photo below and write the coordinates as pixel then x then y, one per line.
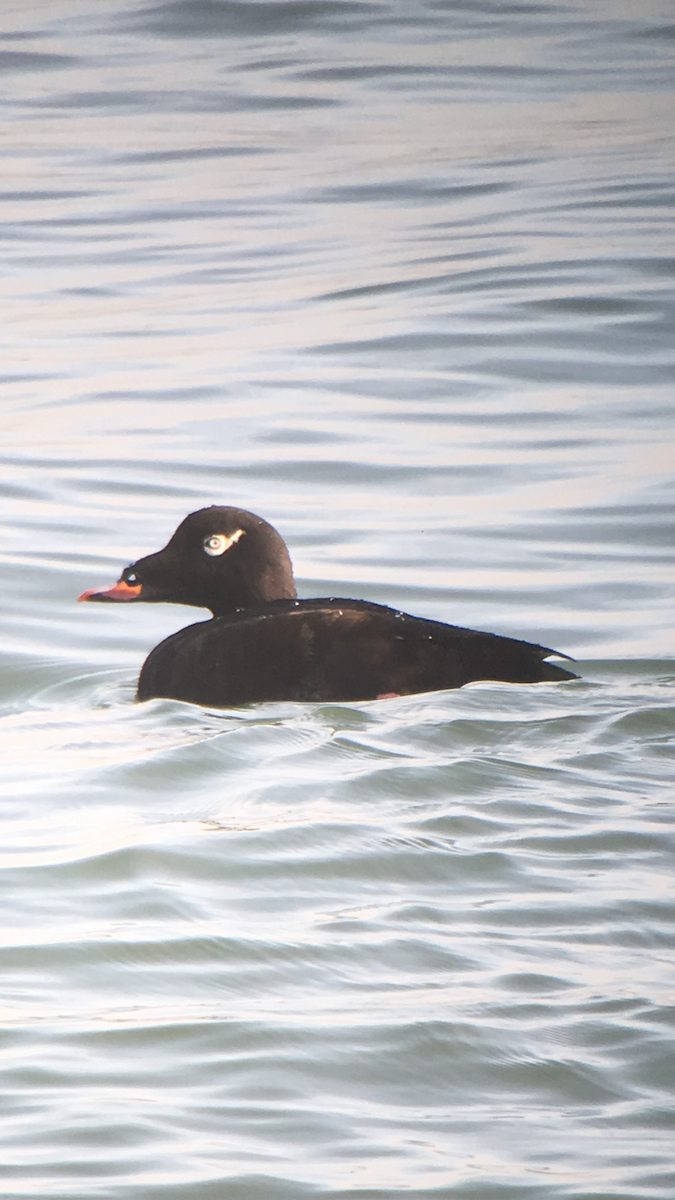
pixel 399 277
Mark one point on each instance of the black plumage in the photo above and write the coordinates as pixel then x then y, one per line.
pixel 264 644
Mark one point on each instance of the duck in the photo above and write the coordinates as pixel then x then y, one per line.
pixel 262 643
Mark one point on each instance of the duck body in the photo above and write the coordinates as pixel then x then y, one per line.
pixel 331 650
pixel 263 644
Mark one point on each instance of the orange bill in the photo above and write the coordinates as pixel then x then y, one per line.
pixel 119 591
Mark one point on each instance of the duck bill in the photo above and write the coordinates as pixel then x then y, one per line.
pixel 120 591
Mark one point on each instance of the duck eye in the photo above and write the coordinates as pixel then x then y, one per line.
pixel 130 577
pixel 215 545
pixel 218 543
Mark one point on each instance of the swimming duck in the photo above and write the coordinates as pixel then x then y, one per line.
pixel 263 643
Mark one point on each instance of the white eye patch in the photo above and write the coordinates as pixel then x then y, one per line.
pixel 218 543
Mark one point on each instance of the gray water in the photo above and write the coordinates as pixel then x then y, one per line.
pixel 399 278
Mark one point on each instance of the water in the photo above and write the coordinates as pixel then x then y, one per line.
pixel 400 279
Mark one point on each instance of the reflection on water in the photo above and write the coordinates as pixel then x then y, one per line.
pixel 400 282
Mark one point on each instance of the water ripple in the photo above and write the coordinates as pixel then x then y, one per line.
pixel 398 278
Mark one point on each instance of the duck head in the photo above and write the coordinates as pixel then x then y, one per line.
pixel 219 558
